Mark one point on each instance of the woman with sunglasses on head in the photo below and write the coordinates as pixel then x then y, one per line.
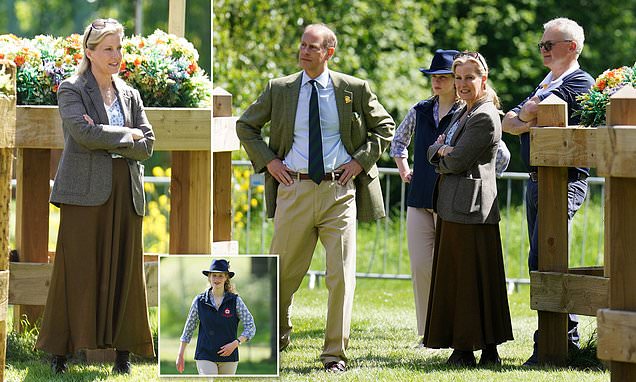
pixel 468 305
pixel 425 121
pixel 97 297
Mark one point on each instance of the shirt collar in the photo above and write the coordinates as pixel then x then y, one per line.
pixel 548 80
pixel 322 79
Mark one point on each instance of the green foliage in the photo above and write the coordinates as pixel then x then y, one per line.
pixel 387 41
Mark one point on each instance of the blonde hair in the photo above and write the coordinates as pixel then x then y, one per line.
pixel 92 38
pixel 482 69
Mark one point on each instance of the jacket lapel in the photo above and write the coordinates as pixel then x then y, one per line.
pixel 344 102
pixel 464 120
pixel 96 97
pixel 291 93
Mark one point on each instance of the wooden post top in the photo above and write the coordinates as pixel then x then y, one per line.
pixel 623 104
pixel 553 111
pixel 222 103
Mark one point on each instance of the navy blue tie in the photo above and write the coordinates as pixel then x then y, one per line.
pixel 316 164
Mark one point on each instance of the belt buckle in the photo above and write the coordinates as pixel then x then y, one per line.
pixel 534 176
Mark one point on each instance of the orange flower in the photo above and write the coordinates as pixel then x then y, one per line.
pixel 19 60
pixel 1 56
pixel 192 68
pixel 600 84
pixel 122 67
pixel 77 57
pixel 137 61
pixel 141 44
pixel 55 88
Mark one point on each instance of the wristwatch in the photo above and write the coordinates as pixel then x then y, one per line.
pixel 239 341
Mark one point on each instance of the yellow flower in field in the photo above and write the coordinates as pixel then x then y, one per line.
pixel 238 216
pixel 254 202
pixel 168 172
pixel 246 174
pixel 260 188
pixel 163 200
pixel 157 171
pixel 149 187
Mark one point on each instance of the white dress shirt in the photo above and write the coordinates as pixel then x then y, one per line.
pixel 333 151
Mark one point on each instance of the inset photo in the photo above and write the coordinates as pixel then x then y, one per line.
pixel 218 316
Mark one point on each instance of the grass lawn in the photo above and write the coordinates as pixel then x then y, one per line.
pixel 381 348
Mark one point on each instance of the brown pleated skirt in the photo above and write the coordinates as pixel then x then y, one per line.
pixel 97 297
pixel 468 303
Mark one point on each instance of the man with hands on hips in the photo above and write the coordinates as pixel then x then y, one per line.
pixel 327 131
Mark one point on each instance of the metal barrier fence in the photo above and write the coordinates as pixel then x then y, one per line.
pixel 586 239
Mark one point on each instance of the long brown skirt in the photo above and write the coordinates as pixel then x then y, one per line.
pixel 97 297
pixel 468 303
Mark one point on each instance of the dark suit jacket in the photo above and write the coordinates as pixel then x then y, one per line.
pixel 466 191
pixel 84 175
pixel 366 130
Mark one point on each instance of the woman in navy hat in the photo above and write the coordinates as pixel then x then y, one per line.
pixel 426 120
pixel 218 310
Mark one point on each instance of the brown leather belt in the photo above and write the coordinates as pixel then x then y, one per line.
pixel 330 176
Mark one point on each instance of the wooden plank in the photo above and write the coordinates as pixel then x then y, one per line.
pixel 224 133
pixel 225 248
pixel 221 102
pixel 29 283
pixel 553 241
pixel 616 335
pixel 191 203
pixel 598 271
pixel 6 162
pixel 4 294
pixel 176 17
pixel 151 274
pixel 617 151
pixel 222 211
pixel 563 146
pixel 568 293
pixel 176 129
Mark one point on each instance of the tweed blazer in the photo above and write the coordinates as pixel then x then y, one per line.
pixel 84 174
pixel 366 129
pixel 466 191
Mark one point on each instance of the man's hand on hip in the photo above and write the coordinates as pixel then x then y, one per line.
pixel 280 172
pixel 349 171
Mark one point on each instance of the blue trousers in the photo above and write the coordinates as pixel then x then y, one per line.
pixel 576 195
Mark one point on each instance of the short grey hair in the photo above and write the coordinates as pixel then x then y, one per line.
pixel 570 29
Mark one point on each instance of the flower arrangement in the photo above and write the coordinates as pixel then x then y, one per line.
pixel 163 67
pixel 594 102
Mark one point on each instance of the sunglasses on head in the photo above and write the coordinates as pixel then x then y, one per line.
pixel 99 24
pixel 474 55
pixel 548 45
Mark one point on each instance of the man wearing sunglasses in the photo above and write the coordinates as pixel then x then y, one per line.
pixel 560 47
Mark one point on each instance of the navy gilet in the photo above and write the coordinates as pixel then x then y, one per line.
pixel 216 328
pixel 424 176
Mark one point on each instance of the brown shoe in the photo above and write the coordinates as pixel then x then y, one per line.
pixel 58 364
pixel 489 356
pixel 335 367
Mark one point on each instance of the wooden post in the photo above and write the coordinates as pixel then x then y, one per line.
pixel 32 218
pixel 190 186
pixel 222 174
pixel 617 162
pixel 7 133
pixel 553 236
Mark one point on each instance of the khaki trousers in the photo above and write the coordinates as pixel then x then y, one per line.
pixel 306 212
pixel 420 228
pixel 216 368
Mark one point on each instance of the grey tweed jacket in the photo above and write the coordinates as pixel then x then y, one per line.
pixel 84 174
pixel 466 191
